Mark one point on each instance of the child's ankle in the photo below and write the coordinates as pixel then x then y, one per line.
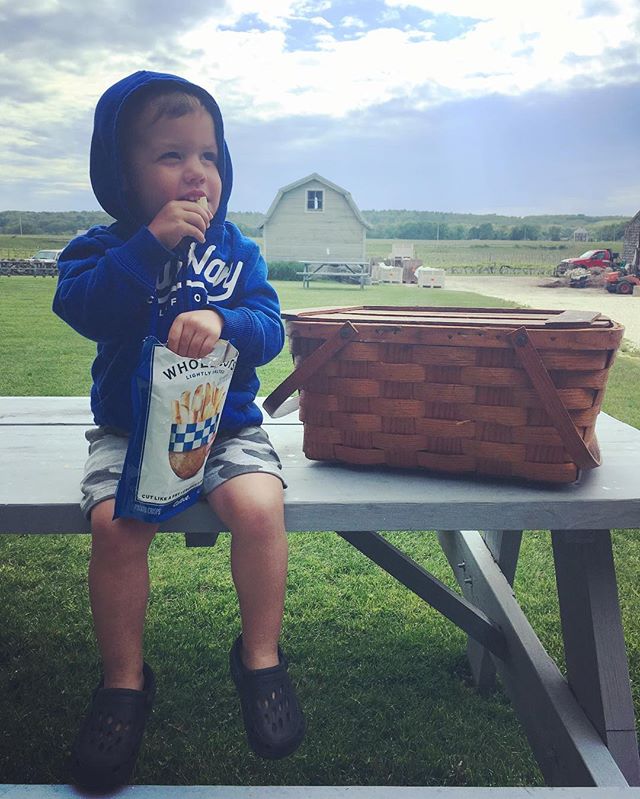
pixel 258 660
pixel 134 682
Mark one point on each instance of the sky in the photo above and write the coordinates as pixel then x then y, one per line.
pixel 484 106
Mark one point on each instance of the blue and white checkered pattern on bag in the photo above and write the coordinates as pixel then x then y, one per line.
pixel 185 437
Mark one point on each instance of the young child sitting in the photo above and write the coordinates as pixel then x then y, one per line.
pixel 173 265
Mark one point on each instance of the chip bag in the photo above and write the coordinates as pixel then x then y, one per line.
pixel 177 404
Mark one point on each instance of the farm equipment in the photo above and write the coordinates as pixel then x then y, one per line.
pixel 622 282
pixel 625 277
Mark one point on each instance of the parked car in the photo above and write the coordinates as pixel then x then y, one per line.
pixel 45 257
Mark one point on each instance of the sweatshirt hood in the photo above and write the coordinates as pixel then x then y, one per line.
pixel 106 165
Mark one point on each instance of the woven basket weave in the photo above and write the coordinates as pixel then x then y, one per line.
pixel 505 392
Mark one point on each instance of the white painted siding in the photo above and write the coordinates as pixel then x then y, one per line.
pixel 295 234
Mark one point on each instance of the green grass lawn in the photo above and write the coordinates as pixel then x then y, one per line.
pixel 382 677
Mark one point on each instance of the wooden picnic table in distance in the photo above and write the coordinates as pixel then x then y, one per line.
pixel 356 270
pixel 581 729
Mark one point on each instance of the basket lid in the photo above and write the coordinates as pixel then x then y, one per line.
pixel 452 316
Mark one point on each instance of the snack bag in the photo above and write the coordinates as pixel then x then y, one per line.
pixel 177 406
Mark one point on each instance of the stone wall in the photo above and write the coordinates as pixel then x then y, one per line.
pixel 24 267
pixel 632 240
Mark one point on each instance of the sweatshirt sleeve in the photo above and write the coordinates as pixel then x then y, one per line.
pixel 106 285
pixel 253 325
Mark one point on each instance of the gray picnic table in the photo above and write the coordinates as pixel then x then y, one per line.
pixel 581 729
pixel 355 270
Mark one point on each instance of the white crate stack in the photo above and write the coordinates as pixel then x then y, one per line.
pixel 429 277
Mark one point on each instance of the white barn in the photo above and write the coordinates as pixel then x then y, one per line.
pixel 313 219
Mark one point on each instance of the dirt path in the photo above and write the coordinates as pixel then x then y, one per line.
pixel 529 291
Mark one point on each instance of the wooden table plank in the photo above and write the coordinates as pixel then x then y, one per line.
pixel 69 411
pixel 52 457
pixel 315 792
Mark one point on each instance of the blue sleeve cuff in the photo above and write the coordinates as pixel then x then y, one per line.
pixel 237 325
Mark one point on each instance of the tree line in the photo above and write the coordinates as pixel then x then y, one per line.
pixel 518 232
pixel 389 224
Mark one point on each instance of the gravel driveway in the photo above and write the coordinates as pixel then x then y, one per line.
pixel 531 291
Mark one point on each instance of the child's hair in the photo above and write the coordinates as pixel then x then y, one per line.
pixel 162 100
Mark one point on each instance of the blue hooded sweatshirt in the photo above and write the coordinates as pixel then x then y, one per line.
pixel 119 284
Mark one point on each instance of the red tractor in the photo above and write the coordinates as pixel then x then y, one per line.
pixel 622 280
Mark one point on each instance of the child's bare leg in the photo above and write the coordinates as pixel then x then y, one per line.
pixel 119 590
pixel 251 506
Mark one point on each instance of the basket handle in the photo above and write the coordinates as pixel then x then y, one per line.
pixel 584 456
pixel 277 404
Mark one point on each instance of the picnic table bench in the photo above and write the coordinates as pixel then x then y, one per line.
pixel 356 270
pixel 581 729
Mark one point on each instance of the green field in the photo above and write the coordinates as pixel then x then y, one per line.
pixel 383 678
pixel 12 246
pixel 538 256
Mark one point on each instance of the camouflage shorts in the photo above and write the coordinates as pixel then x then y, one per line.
pixel 241 452
pixel 247 450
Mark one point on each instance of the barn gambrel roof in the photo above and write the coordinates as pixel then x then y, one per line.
pixel 320 179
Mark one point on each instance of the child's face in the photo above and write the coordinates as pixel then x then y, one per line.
pixel 173 159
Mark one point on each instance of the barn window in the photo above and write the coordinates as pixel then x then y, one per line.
pixel 315 200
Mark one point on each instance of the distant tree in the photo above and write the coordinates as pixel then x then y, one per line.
pixel 555 233
pixel 521 232
pixel 442 230
pixel 416 230
pixel 486 231
pixel 611 232
pixel 55 223
pixel 532 232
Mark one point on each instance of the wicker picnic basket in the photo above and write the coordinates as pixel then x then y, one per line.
pixel 495 391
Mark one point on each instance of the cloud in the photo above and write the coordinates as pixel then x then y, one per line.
pixel 55 33
pixel 301 62
pixel 536 154
pixel 352 22
pixel 321 22
pixel 512 50
pixel 319 72
pixel 599 8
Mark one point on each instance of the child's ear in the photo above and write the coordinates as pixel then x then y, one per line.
pixel 128 195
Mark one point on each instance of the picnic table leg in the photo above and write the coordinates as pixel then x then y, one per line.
pixel 566 744
pixel 504 546
pixel 596 660
pixel 399 565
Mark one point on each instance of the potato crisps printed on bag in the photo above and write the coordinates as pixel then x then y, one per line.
pixel 177 407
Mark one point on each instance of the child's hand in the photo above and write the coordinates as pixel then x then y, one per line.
pixel 194 334
pixel 179 219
